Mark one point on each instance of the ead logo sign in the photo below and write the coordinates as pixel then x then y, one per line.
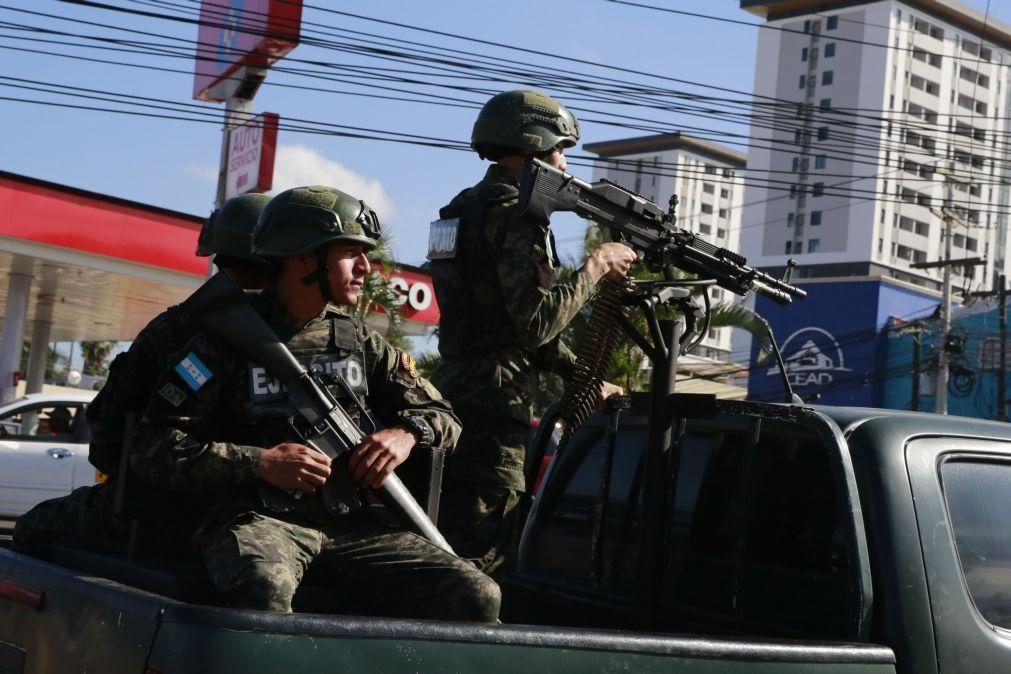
pixel 812 357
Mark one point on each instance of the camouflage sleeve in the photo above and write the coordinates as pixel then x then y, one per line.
pixel 399 395
pixel 173 444
pixel 539 307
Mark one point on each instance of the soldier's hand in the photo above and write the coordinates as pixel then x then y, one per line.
pixel 612 260
pixel 290 465
pixel 607 389
pixel 379 454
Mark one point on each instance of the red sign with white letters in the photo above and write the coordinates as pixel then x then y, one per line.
pixel 251 150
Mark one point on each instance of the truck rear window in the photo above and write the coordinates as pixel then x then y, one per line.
pixel 978 495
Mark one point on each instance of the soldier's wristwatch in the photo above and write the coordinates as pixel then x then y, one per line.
pixel 420 429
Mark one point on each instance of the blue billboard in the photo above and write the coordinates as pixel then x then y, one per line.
pixel 834 342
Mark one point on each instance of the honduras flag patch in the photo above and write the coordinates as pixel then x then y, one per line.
pixel 193 371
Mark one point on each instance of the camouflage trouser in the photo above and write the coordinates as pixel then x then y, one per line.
pixel 82 519
pixel 482 490
pixel 257 561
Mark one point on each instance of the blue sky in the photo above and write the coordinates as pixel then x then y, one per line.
pixel 172 163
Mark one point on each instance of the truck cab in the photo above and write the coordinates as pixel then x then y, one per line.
pixel 782 521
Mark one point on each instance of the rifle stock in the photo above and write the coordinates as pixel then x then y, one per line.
pixel 222 307
pixel 646 228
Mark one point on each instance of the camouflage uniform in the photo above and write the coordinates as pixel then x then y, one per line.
pixel 205 435
pixel 502 313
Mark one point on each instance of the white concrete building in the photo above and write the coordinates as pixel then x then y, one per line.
pixel 706 178
pixel 863 112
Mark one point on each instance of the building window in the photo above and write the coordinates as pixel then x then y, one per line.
pixel 723 213
pixel 724 194
pixel 825 103
pixel 708 188
pixel 803 54
pixel 817 189
pixel 707 209
pixel 826 79
pixel 796 164
pixel 793 191
pixel 807 26
pixel 815 218
pixel 790 217
pixel 789 246
pixel 710 169
pixel 798 134
pixel 820 161
pixel 813 245
pixel 803 81
pixel 823 133
pixel 721 233
pixel 832 23
pixel 830 50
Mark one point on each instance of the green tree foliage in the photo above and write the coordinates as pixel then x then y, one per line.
pixel 96 357
pixel 55 362
pixel 380 297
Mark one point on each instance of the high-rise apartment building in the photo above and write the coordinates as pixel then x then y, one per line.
pixel 706 178
pixel 868 117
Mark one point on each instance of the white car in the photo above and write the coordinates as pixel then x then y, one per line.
pixel 43 449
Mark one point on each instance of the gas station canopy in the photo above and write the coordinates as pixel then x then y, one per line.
pixel 102 267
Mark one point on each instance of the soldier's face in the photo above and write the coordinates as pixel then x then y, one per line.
pixel 348 268
pixel 557 158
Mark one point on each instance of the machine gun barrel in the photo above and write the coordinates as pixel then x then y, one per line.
pixel 646 228
pixel 223 308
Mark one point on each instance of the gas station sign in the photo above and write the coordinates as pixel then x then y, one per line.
pixel 236 33
pixel 251 148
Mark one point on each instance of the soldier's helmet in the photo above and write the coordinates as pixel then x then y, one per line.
pixel 303 219
pixel 523 120
pixel 229 230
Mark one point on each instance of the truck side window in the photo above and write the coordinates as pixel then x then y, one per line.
pixel 978 494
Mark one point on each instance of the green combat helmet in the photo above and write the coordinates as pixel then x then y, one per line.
pixel 522 120
pixel 228 232
pixel 305 219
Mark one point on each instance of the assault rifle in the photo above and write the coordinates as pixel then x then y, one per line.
pixel 224 309
pixel 646 228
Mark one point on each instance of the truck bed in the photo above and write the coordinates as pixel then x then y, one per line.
pixel 85 623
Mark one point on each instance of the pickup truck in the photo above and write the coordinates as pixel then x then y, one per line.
pixel 785 538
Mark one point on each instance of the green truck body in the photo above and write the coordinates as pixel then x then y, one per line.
pixel 789 539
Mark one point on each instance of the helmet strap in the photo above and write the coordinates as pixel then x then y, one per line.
pixel 320 275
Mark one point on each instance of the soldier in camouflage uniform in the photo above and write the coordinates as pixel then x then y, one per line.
pixel 219 429
pixel 502 310
pixel 89 517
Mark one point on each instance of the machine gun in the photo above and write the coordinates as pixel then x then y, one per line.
pixel 646 228
pixel 224 309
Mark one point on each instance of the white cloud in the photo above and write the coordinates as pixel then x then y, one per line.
pixel 206 174
pixel 297 165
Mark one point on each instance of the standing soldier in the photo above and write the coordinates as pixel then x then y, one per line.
pixel 502 313
pixel 220 428
pixel 89 517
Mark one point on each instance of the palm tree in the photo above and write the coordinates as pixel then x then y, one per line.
pixel 96 356
pixel 380 297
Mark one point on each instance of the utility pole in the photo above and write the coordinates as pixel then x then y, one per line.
pixel 949 218
pixel 1001 293
pixel 916 330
